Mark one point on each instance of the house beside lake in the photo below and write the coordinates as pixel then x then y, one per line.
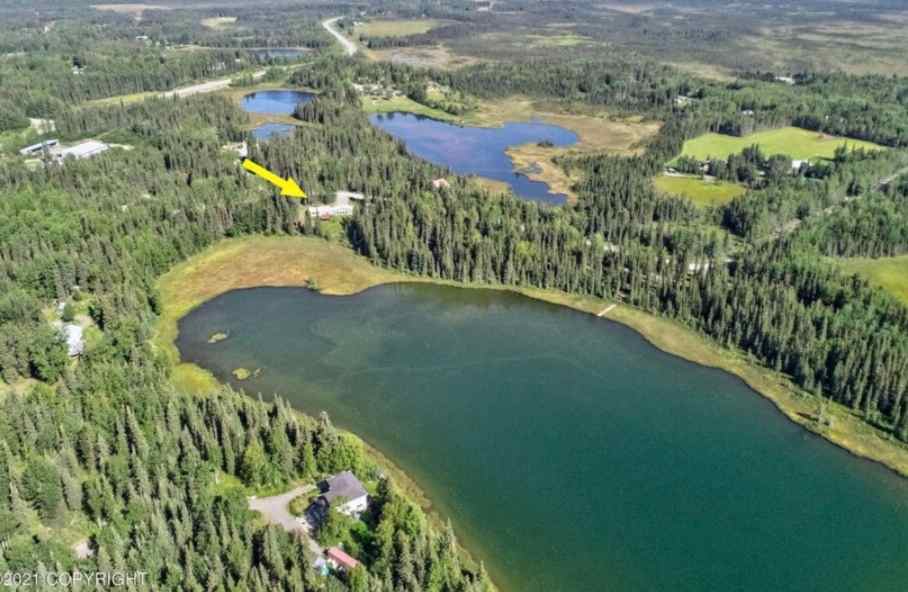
pixel 344 492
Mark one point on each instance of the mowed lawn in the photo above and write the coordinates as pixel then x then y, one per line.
pixel 398 28
pixel 703 193
pixel 799 144
pixel 890 273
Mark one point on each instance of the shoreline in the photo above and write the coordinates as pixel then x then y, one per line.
pixel 291 261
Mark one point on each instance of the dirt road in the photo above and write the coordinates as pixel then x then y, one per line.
pixel 206 87
pixel 349 47
pixel 275 510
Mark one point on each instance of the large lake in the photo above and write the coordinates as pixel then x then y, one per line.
pixel 570 454
pixel 476 150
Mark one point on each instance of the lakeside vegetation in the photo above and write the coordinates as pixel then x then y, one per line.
pixel 134 452
pixel 297 261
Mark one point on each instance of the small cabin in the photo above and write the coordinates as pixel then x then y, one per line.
pixel 340 560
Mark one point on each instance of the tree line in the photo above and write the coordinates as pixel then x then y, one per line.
pixel 106 447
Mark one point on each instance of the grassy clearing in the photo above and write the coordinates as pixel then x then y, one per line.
pixel 219 22
pixel 889 273
pixel 698 190
pixel 559 40
pixel 426 57
pixel 293 261
pixel 799 144
pixel 381 105
pixel 705 70
pixel 396 28
pixel 134 10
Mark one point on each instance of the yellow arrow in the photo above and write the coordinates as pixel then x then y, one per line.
pixel 288 186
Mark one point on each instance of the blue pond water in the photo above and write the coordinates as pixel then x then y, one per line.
pixel 275 102
pixel 476 150
pixel 266 131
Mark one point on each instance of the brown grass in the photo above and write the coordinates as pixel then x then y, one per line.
pixel 427 57
pixel 219 22
pixel 135 10
pixel 597 131
pixel 536 163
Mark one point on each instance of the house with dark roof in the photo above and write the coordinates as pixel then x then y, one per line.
pixel 343 492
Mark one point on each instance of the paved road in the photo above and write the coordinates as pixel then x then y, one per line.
pixel 349 47
pixel 275 510
pixel 206 87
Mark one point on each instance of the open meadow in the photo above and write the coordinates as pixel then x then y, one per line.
pixel 889 273
pixel 701 192
pixel 396 28
pixel 799 144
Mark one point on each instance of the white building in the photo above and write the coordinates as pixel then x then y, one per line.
pixel 85 149
pixel 39 147
pixel 343 492
pixel 75 344
pixel 342 206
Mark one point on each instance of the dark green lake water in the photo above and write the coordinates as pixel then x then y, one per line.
pixel 570 454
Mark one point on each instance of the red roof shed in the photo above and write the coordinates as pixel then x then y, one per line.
pixel 338 556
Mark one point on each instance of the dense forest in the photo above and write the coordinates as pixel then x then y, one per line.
pixel 775 299
pixel 107 447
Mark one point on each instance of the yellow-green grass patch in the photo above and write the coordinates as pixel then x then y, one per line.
pixel 799 144
pixel 219 22
pixel 558 40
pixel 700 191
pixel 400 103
pixel 396 28
pixel 889 273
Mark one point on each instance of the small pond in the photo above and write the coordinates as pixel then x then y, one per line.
pixel 266 131
pixel 477 150
pixel 275 102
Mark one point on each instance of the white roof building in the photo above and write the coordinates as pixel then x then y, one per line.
pixel 75 344
pixel 342 206
pixel 36 148
pixel 85 149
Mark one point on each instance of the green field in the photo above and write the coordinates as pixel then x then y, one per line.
pixel 404 104
pixel 397 28
pixel 703 193
pixel 799 144
pixel 890 273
